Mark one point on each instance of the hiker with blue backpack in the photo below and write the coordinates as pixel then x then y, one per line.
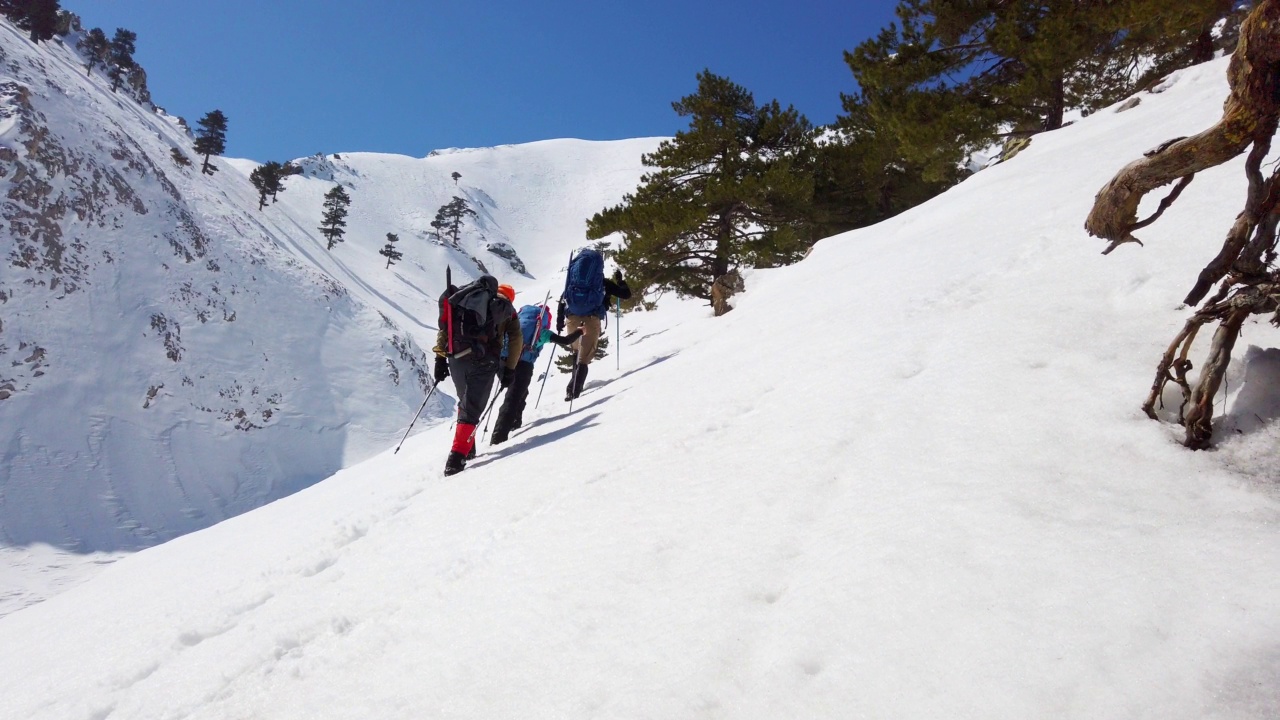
pixel 584 304
pixel 475 321
pixel 535 324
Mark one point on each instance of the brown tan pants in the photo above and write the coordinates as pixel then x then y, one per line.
pixel 585 346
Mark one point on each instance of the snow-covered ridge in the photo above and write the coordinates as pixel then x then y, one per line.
pixel 170 356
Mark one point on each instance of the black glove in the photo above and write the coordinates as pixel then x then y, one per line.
pixel 573 336
pixel 442 369
pixel 617 276
pixel 560 321
pixel 508 374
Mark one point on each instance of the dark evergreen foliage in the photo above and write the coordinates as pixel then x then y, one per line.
pixel 861 176
pixel 97 50
pixel 952 77
pixel 456 176
pixel 121 60
pixel 447 225
pixel 41 19
pixel 734 189
pixel 268 180
pixel 38 17
pixel 211 138
pixel 389 250
pixel 334 221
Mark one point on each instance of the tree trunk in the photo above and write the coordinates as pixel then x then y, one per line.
pixel 720 265
pixel 1259 202
pixel 1202 48
pixel 1057 104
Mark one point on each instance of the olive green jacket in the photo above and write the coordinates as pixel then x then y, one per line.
pixel 511 329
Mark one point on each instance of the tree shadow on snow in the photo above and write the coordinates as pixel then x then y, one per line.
pixel 582 423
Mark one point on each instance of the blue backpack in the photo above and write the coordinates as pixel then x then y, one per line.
pixel 584 287
pixel 533 320
pixel 529 327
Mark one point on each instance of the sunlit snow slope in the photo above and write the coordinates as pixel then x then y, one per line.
pixel 906 478
pixel 171 356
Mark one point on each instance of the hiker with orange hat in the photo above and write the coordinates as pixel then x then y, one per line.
pixel 475 321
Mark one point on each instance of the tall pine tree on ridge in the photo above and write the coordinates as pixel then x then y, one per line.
pixel 335 215
pixel 211 138
pixel 734 189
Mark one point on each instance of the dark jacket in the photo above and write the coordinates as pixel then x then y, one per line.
pixel 510 328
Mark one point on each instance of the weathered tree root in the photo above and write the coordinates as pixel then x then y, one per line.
pixel 1179 367
pixel 1250 118
pixel 1196 412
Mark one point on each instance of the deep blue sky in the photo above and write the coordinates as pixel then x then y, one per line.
pixel 296 77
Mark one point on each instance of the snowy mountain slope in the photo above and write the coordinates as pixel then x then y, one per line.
pixel 171 356
pixel 941 501
pixel 533 198
pixel 166 365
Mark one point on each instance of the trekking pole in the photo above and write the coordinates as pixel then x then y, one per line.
pixel 486 414
pixel 415 416
pixel 617 320
pixel 497 392
pixel 545 375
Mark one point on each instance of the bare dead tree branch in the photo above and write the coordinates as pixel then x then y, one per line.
pixel 1249 284
pixel 1250 107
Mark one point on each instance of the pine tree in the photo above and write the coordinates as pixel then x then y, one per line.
pixel 734 189
pixel 861 176
pixel 268 180
pixel 456 176
pixel 211 138
pixel 27 14
pixel 122 49
pixel 96 48
pixel 447 225
pixel 41 19
pixel 389 250
pixel 335 213
pixel 955 76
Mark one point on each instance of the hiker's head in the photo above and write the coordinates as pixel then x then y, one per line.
pixel 507 292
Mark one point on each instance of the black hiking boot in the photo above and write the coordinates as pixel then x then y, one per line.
pixel 576 382
pixel 499 437
pixel 455 464
pixel 471 454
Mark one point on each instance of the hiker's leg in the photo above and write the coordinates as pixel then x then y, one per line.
pixel 518 393
pixel 590 338
pixel 513 404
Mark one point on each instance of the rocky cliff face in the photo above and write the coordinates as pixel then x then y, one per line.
pixel 167 359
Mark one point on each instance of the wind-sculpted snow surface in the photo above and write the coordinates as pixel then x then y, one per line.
pixel 169 355
pixel 939 502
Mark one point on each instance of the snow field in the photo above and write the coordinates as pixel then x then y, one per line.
pixel 905 478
